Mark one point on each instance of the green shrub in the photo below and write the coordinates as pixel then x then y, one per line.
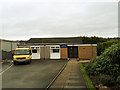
pixel 89 68
pixel 93 39
pixel 118 80
pixel 107 63
pixel 101 46
pixel 106 80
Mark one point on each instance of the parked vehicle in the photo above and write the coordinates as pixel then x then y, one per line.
pixel 22 55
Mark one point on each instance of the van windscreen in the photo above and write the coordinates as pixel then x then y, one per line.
pixel 21 52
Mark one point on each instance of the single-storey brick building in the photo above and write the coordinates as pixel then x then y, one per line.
pixel 60 48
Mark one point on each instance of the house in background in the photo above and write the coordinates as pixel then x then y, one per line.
pixel 60 48
pixel 6 46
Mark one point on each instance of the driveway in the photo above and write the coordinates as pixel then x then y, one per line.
pixel 38 74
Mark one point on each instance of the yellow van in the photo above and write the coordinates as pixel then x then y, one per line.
pixel 22 55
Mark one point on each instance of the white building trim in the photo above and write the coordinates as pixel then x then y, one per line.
pixel 55 52
pixel 35 52
pixel 84 45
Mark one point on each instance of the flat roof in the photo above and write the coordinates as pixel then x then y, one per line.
pixel 56 40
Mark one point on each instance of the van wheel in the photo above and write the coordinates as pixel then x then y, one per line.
pixel 15 63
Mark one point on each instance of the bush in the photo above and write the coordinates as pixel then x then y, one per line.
pixel 89 68
pixel 107 63
pixel 101 46
pixel 118 80
pixel 93 40
pixel 106 80
pixel 113 53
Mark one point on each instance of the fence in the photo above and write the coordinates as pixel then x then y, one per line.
pixel 5 55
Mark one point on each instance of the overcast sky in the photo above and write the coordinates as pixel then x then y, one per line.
pixel 24 19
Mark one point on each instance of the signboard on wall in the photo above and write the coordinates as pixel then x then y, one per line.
pixel 63 46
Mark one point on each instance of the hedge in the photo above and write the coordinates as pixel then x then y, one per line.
pixel 107 63
pixel 101 46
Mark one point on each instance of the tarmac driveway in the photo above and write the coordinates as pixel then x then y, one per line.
pixel 38 74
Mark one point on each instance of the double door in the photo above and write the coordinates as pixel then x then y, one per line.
pixel 72 51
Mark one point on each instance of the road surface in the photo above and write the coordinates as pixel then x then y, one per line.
pixel 38 74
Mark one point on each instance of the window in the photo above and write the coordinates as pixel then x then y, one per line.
pixel 55 50
pixel 52 47
pixel 30 51
pixel 32 47
pixel 37 47
pixel 21 52
pixel 34 51
pixel 57 47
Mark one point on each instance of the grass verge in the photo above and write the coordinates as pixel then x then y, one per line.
pixel 87 79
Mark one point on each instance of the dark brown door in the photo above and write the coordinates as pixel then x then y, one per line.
pixel 72 51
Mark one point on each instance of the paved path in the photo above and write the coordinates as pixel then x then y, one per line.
pixel 70 78
pixel 38 74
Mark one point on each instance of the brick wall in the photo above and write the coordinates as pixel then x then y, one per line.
pixel 63 53
pixel 87 52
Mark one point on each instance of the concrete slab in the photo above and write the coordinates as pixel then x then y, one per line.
pixel 75 87
pixel 76 84
pixel 71 77
pixel 74 81
pixel 75 76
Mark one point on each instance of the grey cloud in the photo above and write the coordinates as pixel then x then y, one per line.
pixel 43 19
